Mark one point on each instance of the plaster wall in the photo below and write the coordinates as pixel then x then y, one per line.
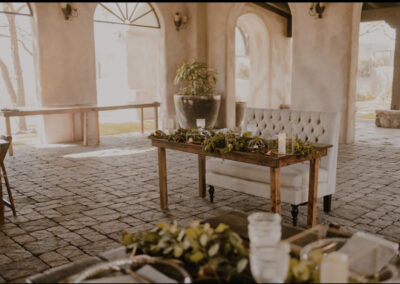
pixel 66 64
pixel 325 61
pixel 221 23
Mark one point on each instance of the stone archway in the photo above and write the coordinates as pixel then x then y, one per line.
pixel 277 54
pixel 260 64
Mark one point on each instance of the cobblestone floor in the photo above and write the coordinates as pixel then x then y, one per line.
pixel 74 201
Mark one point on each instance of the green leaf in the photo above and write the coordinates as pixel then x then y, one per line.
pixel 213 250
pixel 203 239
pixel 190 232
pixel 221 227
pixel 178 251
pixel 181 235
pixel 241 265
pixel 196 257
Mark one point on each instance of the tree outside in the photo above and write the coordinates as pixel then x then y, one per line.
pixel 375 68
pixel 16 59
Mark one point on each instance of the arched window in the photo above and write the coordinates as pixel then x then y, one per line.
pixel 127 44
pixel 17 80
pixel 132 14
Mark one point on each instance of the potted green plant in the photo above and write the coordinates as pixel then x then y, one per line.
pixel 196 98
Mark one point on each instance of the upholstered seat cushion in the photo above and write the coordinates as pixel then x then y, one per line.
pixel 294 176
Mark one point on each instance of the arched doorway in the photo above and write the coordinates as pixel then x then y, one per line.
pixel 377 81
pixel 271 46
pixel 127 44
pixel 17 72
pixel 252 62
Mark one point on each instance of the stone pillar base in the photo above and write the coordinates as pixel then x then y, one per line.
pixel 387 118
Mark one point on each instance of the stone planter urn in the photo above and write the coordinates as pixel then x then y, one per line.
pixel 240 108
pixel 190 108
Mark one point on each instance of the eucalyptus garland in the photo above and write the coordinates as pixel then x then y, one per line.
pixel 216 254
pixel 226 142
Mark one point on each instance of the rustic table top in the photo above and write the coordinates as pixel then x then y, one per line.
pixel 273 160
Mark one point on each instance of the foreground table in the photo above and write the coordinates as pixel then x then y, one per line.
pixel 236 220
pixel 274 162
pixel 72 110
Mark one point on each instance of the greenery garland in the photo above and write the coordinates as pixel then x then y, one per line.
pixel 212 254
pixel 221 142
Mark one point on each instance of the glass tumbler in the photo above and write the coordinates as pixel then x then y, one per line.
pixel 264 229
pixel 270 264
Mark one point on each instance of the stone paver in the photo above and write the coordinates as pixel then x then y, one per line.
pixel 73 201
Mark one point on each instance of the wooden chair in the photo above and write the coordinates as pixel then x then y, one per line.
pixel 5 142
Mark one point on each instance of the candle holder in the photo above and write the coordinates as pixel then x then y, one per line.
pixel 290 139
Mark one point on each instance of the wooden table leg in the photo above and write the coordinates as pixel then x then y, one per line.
pixel 156 117
pixel 97 127
pixel 8 131
pixel 162 172
pixel 1 204
pixel 73 138
pixel 3 168
pixel 313 193
pixel 141 120
pixel 202 175
pixel 85 128
pixel 275 174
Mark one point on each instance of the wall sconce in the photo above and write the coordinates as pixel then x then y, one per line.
pixel 68 11
pixel 180 21
pixel 317 9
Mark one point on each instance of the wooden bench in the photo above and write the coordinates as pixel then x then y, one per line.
pixel 72 110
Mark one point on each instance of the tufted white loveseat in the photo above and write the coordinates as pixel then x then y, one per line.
pixel 321 127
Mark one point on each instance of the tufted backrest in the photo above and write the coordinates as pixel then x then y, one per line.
pixel 320 127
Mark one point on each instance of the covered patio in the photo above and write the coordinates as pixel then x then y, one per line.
pixel 294 90
pixel 74 201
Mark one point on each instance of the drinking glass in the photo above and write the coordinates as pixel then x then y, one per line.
pixel 264 229
pixel 270 264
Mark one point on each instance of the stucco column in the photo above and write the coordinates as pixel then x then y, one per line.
pixel 67 68
pixel 396 71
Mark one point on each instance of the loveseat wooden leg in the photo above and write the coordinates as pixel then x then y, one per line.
pixel 327 203
pixel 295 212
pixel 211 193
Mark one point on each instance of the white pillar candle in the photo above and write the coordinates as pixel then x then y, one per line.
pixel 170 125
pixel 282 143
pixel 334 268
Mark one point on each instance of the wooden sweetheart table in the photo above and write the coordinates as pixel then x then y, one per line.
pixel 274 162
